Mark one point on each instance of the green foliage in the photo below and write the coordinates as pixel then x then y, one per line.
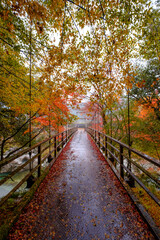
pixel 146 86
pixel 149 40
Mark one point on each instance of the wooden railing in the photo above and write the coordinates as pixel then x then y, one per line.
pixel 126 161
pixel 46 153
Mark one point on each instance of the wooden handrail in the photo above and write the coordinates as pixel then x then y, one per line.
pixel 27 150
pixel 146 157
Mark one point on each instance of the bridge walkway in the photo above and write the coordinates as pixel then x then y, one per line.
pixel 80 199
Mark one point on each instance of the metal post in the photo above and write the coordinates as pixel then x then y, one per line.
pixel 99 143
pixel 39 161
pixel 30 180
pixel 30 97
pixel 130 181
pixel 111 123
pixel 129 132
pixel 58 147
pixel 121 162
pixel 112 151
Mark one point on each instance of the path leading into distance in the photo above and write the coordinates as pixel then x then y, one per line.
pixel 80 199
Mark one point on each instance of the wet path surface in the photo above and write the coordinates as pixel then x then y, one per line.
pixel 80 199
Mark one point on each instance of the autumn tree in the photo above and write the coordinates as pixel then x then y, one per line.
pixel 146 86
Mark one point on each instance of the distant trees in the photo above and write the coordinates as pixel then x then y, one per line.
pixel 146 86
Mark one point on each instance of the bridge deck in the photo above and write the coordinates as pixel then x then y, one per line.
pixel 80 199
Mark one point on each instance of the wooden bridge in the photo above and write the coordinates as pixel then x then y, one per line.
pixel 85 180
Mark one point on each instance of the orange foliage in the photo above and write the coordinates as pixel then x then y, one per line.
pixel 143 136
pixel 147 109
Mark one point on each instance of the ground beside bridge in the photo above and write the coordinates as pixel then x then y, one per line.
pixel 80 199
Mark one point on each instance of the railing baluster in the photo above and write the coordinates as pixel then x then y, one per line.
pixel 121 162
pixel 39 160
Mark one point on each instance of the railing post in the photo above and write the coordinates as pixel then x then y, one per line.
pixel 50 157
pixel 121 162
pixel 99 143
pixel 39 160
pixel 55 147
pixel 106 152
pixel 111 158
